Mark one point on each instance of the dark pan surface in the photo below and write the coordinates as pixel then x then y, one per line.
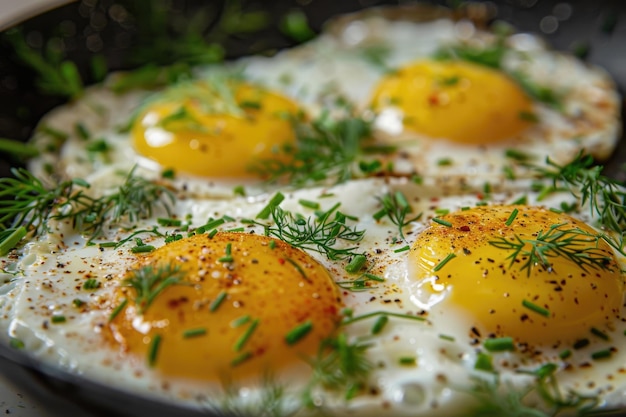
pixel 90 29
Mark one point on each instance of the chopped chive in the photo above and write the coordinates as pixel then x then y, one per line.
pixel 407 360
pixel 11 239
pixel 499 344
pixel 442 212
pixel 143 249
pixel 380 214
pixel 442 222
pixel 555 210
pixel 168 173
pixel 295 25
pixel 82 131
pixel 509 173
pixel 528 116
pixel 273 203
pixel 187 334
pixel 298 332
pixel 565 354
pixel 91 284
pixel 373 277
pixel 240 321
pixel 379 325
pixel 517 155
pixel 443 162
pixel 246 336
pixel 213 224
pixel 512 217
pixel 239 191
pixel 169 222
pixel 381 313
pixel 108 244
pixel 309 204
pixel 537 309
pixel 444 262
pixel 58 319
pixel 601 354
pixel 298 268
pixel 272 244
pixel 212 233
pixel 229 256
pixel 599 333
pixel 447 337
pixel 18 149
pixel 76 302
pixel 153 351
pixel 356 264
pixel 236 230
pixel 118 309
pixel 523 200
pixel 218 301
pixel 483 362
pixel 250 105
pixel 579 344
pixel 402 249
pixel 241 359
pixel 16 343
pixel 228 218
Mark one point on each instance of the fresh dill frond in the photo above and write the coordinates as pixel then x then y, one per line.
pixel 497 399
pixel 327 150
pixel 56 76
pixel 575 244
pixel 26 201
pixel 319 234
pixel 605 196
pixel 149 281
pixel 396 208
pixel 340 365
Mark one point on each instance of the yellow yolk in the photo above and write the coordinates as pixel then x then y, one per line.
pixel 458 101
pixel 263 310
pixel 215 132
pixel 471 260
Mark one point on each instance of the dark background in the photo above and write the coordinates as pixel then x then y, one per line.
pixel 96 27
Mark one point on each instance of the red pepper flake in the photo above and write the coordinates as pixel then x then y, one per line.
pixel 433 99
pixel 464 228
pixel 281 261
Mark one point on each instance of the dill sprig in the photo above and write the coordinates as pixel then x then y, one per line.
pixel 26 201
pixel 339 366
pixel 56 76
pixel 575 244
pixel 496 399
pixel 326 150
pixel 606 197
pixel 396 208
pixel 149 281
pixel 319 234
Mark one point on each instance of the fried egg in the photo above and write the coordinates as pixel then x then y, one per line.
pixel 429 294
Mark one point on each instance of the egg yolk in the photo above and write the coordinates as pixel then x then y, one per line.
pixel 456 100
pixel 244 305
pixel 215 129
pixel 472 258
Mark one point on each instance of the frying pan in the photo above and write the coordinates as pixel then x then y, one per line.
pixel 597 28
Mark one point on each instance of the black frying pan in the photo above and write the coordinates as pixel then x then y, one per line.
pixel 595 29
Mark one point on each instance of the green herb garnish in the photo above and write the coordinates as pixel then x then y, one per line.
pixel 149 281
